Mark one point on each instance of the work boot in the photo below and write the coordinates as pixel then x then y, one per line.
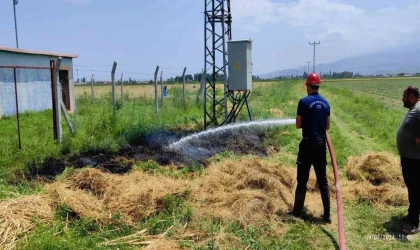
pixel 298 206
pixel 291 213
pixel 325 196
pixel 326 220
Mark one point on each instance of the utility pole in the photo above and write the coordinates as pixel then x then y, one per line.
pixel 308 62
pixel 314 44
pixel 15 2
pixel 77 70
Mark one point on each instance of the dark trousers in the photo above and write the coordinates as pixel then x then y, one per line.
pixel 411 174
pixel 311 153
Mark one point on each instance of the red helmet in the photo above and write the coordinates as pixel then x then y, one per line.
pixel 313 79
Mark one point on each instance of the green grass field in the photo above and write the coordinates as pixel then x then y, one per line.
pixel 365 118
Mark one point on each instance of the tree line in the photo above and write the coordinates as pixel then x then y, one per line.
pixel 343 74
pixel 331 74
pixel 198 76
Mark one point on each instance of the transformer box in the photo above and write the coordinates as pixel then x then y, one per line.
pixel 240 65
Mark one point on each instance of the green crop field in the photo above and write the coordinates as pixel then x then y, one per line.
pixel 233 200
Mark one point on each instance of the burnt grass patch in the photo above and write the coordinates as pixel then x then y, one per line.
pixel 154 147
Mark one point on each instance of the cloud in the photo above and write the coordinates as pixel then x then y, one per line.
pixel 305 14
pixel 332 21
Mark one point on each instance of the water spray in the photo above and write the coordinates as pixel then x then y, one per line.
pixel 266 123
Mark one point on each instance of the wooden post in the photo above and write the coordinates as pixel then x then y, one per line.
pixel 91 87
pixel 156 92
pixel 66 115
pixel 122 91
pixel 201 90
pixel 114 106
pixel 53 97
pixel 161 87
pixel 17 108
pixel 183 88
pixel 58 100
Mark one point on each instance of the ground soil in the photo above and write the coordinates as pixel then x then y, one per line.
pixel 154 147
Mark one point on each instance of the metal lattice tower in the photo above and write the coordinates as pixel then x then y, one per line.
pixel 314 44
pixel 217 29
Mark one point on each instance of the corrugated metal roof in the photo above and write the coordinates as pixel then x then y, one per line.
pixel 32 52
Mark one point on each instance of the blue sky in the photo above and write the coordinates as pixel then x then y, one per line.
pixel 142 34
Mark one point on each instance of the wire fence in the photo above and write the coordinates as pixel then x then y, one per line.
pixel 24 90
pixel 147 83
pixel 32 98
pixel 133 74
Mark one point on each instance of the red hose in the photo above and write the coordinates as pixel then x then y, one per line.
pixel 338 192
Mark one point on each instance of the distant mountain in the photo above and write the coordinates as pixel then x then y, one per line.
pixel 397 60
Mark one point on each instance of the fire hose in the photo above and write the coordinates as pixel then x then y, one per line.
pixel 338 194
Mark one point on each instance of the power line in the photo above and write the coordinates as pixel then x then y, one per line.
pixel 94 65
pixel 89 67
pixel 95 70
pixel 312 20
pixel 128 72
pixel 303 19
pixel 138 67
pixel 103 72
pixel 293 14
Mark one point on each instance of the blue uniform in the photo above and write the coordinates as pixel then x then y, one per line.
pixel 314 110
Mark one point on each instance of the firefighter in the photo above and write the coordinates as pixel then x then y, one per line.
pixel 313 117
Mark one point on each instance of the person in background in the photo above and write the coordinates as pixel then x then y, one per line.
pixel 408 144
pixel 313 117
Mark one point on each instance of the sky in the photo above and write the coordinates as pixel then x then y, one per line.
pixel 139 34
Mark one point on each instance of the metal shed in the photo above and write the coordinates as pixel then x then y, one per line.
pixel 34 87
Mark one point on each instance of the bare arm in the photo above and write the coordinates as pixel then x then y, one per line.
pixel 298 122
pixel 328 123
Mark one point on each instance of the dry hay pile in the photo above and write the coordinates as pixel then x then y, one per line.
pixel 163 244
pixel 249 191
pixel 96 194
pixel 83 203
pixel 376 178
pixel 160 241
pixel 376 169
pixel 19 216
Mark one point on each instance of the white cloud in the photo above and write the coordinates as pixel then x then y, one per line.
pixel 332 21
